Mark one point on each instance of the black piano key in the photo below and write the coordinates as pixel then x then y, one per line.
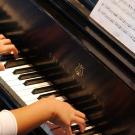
pixel 43 61
pixel 56 75
pixel 56 94
pixel 85 102
pixel 72 88
pixel 35 81
pixel 102 126
pixel 16 36
pixel 7 57
pixel 64 82
pixel 15 63
pixel 49 69
pixel 40 68
pixel 43 89
pixel 29 75
pixel 87 108
pixel 52 87
pixel 8 26
pixel 83 99
pixel 23 70
pixel 96 117
pixel 116 131
pixel 3 15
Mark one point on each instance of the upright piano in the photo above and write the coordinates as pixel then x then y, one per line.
pixel 63 52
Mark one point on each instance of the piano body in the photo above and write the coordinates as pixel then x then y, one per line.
pixel 63 53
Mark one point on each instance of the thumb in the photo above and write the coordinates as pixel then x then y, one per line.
pixel 2 67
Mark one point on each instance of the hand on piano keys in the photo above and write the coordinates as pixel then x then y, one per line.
pixel 65 115
pixel 6 47
pixel 49 109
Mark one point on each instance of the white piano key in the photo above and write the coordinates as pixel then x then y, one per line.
pixel 17 67
pixel 89 127
pixel 47 129
pixel 60 98
pixel 29 91
pixel 6 72
pixel 29 100
pixel 22 87
pixel 15 82
pixel 31 96
pixel 9 76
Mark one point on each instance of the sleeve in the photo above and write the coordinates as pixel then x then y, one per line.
pixel 8 124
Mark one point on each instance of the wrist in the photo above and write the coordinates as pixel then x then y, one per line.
pixel 49 107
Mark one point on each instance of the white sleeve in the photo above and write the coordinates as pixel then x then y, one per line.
pixel 8 124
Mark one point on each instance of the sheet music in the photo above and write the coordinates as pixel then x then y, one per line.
pixel 118 18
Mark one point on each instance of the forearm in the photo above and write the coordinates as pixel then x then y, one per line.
pixel 30 117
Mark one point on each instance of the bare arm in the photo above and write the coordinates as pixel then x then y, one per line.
pixel 60 113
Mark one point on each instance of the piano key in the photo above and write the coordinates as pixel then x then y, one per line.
pixel 21 88
pixel 29 75
pixel 4 15
pixel 34 97
pixel 26 95
pixel 56 75
pixel 47 62
pixel 7 57
pixel 23 70
pixel 36 74
pixel 43 89
pixel 15 63
pixel 9 72
pixel 96 117
pixel 76 129
pixel 12 69
pixel 55 93
pixel 8 25
pixel 63 82
pixel 17 82
pixel 117 131
pixel 83 99
pixel 47 68
pixel 35 80
pixel 101 126
pixel 90 108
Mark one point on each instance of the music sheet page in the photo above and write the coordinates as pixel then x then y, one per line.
pixel 118 18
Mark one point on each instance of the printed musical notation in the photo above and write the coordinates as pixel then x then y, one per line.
pixel 118 18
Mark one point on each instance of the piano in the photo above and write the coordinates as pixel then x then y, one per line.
pixel 64 53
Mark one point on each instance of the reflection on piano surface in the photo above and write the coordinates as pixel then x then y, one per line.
pixel 62 55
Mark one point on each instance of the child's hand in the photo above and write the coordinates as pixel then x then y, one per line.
pixel 6 47
pixel 64 115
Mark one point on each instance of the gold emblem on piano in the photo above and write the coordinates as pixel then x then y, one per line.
pixel 79 71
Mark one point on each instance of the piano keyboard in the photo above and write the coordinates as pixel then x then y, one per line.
pixel 29 85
